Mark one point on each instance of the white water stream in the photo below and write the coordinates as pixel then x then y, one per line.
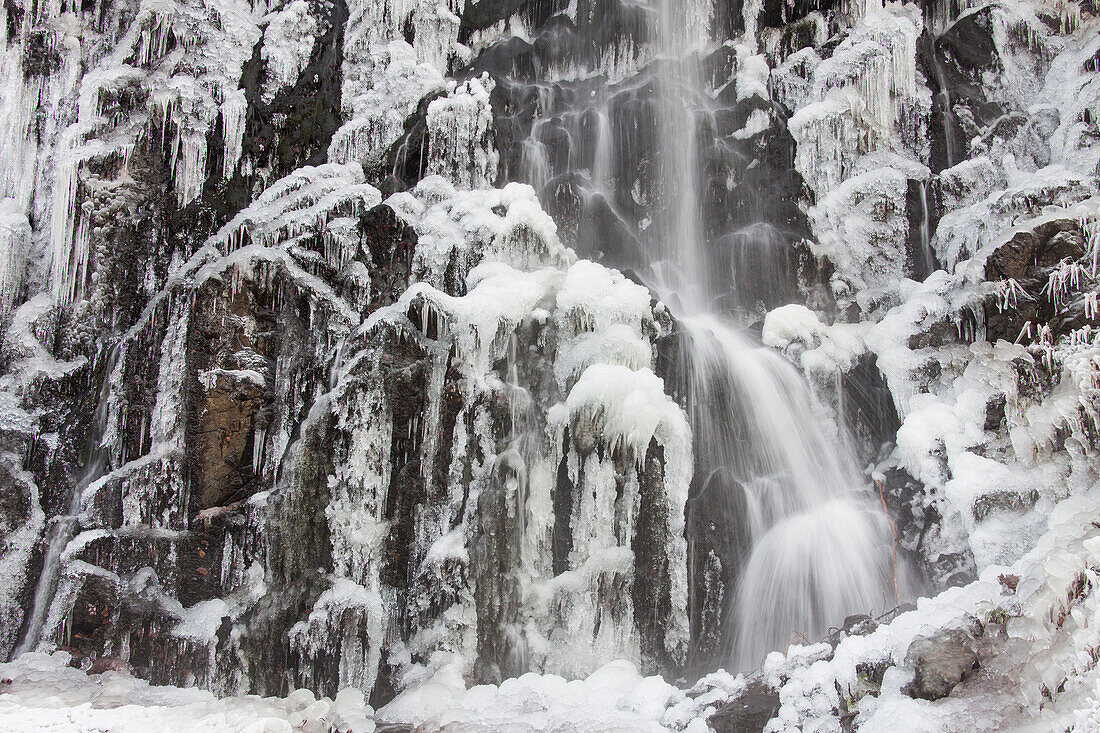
pixel 819 545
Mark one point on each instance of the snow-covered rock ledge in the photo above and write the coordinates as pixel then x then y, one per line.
pixel 1022 638
pixel 43 692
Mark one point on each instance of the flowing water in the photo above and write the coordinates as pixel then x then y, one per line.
pixel 818 549
pixel 812 543
pixel 943 101
pixel 64 526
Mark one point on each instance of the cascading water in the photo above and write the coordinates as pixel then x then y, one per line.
pixel 943 102
pixel 815 547
pixel 64 526
pixel 817 550
pixel 809 542
pixel 925 256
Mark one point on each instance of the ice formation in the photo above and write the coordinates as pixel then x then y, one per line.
pixel 519 365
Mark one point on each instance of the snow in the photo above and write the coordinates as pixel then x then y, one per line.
pixel 752 71
pixel 613 698
pixel 458 229
pixel 821 350
pixel 287 45
pixel 616 344
pixel 32 359
pixel 792 323
pixel 460 135
pixel 593 298
pixel 628 407
pixel 500 298
pixel 46 693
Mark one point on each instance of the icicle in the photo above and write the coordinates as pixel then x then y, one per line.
pixel 1009 292
pixel 460 136
pixel 69 249
pixel 233 111
pixel 153 40
pixel 190 166
pixel 258 436
pixel 1065 277
pixel 1092 304
pixel 1025 331
pixel 15 233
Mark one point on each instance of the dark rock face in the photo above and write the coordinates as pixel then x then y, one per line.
pixel 918 515
pixel 953 64
pixel 867 406
pixel 478 16
pixel 407 159
pixel 18 526
pixel 295 128
pixel 1024 267
pixel 749 713
pixel 240 340
pixel 232 352
pixel 940 662
pixel 1004 501
pixel 719 544
pixel 650 592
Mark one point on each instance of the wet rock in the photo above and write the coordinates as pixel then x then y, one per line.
pixel 938 334
pixel 1029 259
pixel 651 591
pixel 954 64
pixel 391 244
pixel 868 407
pixel 295 128
pixel 930 537
pixel 1004 501
pixel 856 625
pixel 18 526
pixel 1046 245
pixel 407 158
pixel 940 662
pixel 995 412
pixel 40 57
pixel 749 713
pixel 230 348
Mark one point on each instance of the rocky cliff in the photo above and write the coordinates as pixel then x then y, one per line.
pixel 332 355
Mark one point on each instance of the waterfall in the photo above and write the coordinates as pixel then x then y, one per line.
pixel 926 255
pixel 64 526
pixel 817 549
pixel 943 101
pixel 811 543
pixel 806 541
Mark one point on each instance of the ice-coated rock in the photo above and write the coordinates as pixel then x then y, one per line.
pixel 940 662
pixel 317 373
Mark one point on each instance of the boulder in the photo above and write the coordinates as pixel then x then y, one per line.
pixel 749 713
pixel 940 661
